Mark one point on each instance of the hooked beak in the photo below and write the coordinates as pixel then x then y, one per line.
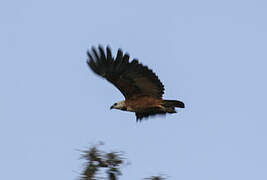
pixel 111 107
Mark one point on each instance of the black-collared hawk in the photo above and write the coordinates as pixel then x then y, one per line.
pixel 140 86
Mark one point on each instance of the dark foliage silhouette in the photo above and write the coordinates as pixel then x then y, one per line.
pixel 110 163
pixel 97 160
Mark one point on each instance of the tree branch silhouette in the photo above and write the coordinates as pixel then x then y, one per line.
pixel 98 161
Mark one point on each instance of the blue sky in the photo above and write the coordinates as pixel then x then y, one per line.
pixel 209 54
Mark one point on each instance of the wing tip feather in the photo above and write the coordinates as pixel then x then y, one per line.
pixel 102 62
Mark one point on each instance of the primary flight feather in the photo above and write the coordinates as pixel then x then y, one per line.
pixel 140 86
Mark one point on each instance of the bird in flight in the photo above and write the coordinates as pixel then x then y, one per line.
pixel 139 85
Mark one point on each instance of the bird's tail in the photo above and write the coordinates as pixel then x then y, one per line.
pixel 173 103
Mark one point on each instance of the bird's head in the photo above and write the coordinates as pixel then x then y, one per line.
pixel 119 105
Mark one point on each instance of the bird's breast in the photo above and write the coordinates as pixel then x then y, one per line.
pixel 142 103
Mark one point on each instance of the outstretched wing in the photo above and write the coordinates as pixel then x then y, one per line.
pixel 131 78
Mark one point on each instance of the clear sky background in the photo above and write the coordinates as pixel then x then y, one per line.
pixel 209 54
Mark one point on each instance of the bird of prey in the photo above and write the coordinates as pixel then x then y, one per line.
pixel 140 86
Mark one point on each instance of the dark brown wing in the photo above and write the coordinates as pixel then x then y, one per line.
pixel 131 78
pixel 152 112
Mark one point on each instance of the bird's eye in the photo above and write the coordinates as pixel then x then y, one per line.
pixel 115 104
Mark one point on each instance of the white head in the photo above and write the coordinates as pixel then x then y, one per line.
pixel 119 105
